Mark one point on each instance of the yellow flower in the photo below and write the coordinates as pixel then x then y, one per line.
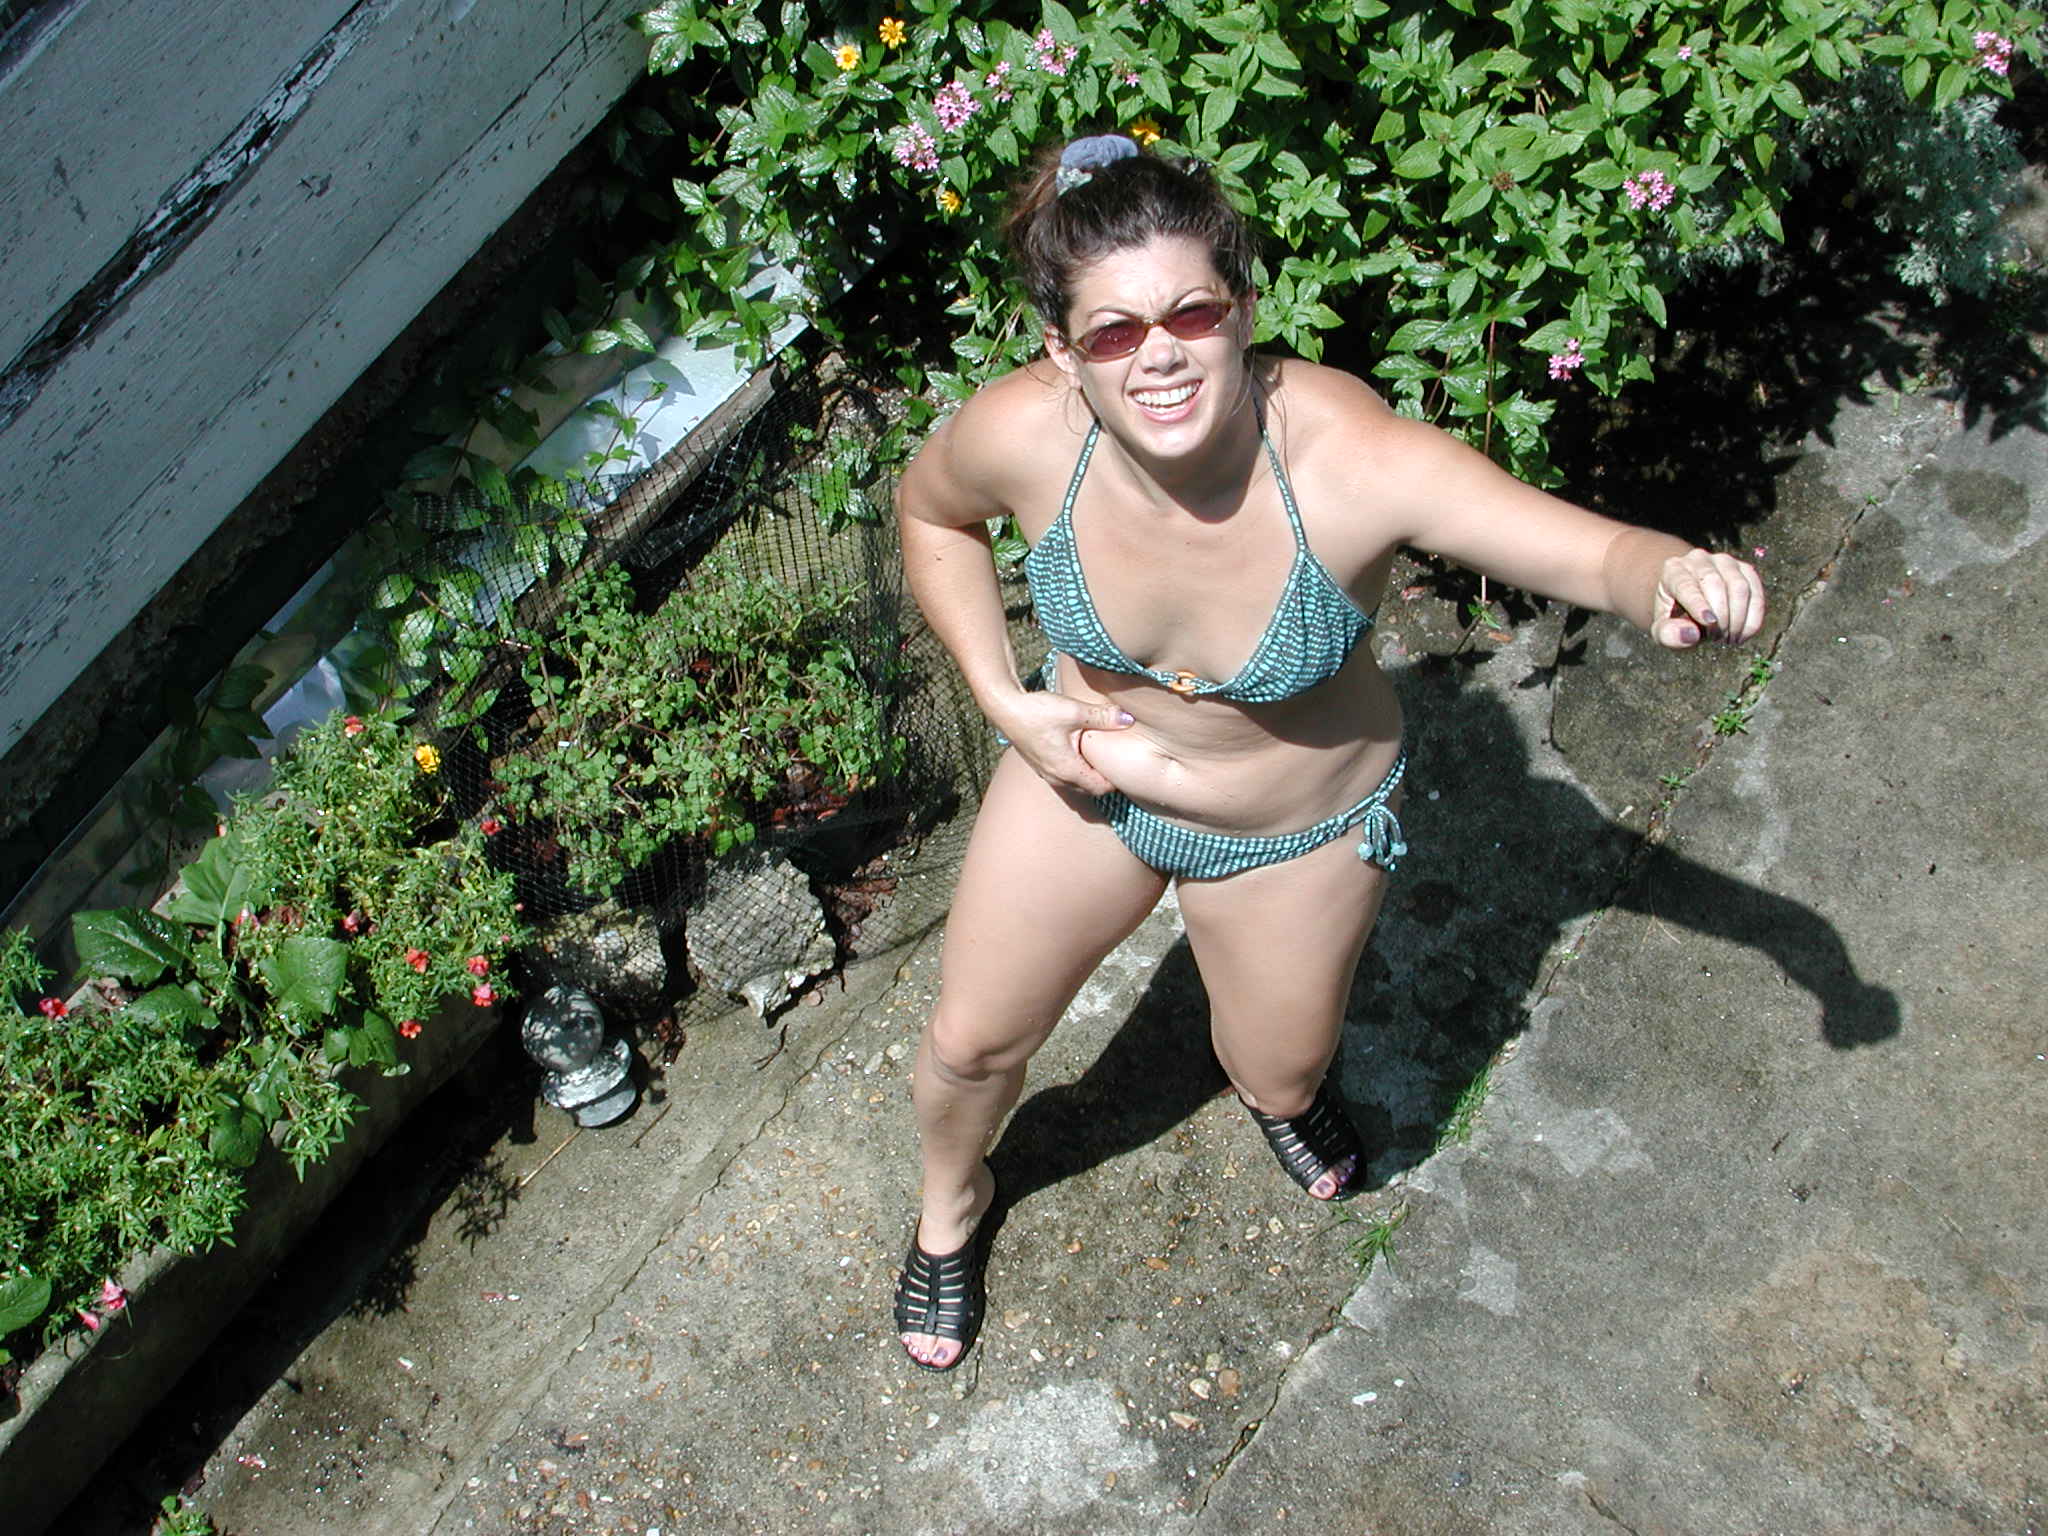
pixel 428 759
pixel 1146 132
pixel 891 32
pixel 949 200
pixel 847 57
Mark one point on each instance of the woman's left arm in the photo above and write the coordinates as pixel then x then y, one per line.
pixel 1451 500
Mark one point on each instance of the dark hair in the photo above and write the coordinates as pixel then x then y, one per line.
pixel 1051 234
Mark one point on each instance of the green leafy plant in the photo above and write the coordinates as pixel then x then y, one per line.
pixel 1464 1115
pixel 181 1517
pixel 319 930
pixel 1741 702
pixel 1500 197
pixel 734 706
pixel 1374 1237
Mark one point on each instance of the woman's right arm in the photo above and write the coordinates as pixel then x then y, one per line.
pixel 944 502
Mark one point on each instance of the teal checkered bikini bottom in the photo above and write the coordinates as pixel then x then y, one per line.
pixel 1188 854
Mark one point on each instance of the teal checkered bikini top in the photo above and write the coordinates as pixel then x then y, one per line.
pixel 1312 633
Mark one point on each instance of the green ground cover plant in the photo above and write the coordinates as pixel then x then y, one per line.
pixel 733 704
pixel 320 929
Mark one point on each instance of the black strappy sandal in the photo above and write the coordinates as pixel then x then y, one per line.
pixel 942 1294
pixel 1313 1142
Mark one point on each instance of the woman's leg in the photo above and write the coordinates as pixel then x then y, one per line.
pixel 1045 892
pixel 1277 947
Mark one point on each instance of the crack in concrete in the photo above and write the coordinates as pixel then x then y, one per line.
pixel 186 210
pixel 1249 1430
pixel 1600 1509
pixel 1658 830
pixel 574 1337
pixel 1563 953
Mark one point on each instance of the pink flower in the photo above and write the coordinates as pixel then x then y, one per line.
pixel 354 922
pixel 409 1029
pixel 112 1297
pixel 490 826
pixel 954 105
pixel 53 1007
pixel 92 1324
pixel 417 959
pixel 996 81
pixel 479 966
pixel 917 149
pixel 1651 189
pixel 1049 56
pixel 352 725
pixel 1564 364
pixel 1130 77
pixel 1994 53
pixel 484 995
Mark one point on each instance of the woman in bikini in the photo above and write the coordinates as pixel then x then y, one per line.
pixel 1210 533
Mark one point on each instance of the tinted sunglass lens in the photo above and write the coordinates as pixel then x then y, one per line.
pixel 1117 339
pixel 1196 320
pixel 1120 338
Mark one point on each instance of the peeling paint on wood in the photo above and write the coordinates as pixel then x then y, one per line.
pixel 249 297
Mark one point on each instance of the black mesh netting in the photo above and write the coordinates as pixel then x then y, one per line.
pixel 696 709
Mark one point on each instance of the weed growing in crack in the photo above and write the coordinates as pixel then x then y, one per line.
pixel 1375 1238
pixel 1457 1126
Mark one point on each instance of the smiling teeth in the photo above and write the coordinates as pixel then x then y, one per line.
pixel 1164 398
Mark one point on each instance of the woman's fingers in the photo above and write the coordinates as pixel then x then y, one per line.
pixel 1702 595
pixel 1048 737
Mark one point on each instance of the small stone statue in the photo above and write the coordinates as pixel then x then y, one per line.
pixel 589 1070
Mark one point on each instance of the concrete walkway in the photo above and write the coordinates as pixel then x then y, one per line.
pixel 1746 1235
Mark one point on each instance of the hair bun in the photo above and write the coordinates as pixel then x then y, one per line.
pixel 1083 157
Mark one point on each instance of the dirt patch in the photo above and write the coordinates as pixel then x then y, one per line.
pixel 1835 1360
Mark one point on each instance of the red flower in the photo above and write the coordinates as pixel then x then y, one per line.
pixel 490 826
pixel 479 966
pixel 92 1324
pixel 410 1029
pixel 352 725
pixel 484 995
pixel 54 1007
pixel 112 1297
pixel 355 922
pixel 417 959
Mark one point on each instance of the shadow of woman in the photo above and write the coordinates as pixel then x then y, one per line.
pixel 1510 854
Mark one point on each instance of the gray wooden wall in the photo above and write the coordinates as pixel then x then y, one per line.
pixel 213 218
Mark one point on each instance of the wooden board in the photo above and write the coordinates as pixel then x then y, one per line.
pixel 419 126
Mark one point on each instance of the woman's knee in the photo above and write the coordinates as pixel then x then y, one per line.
pixel 967 1047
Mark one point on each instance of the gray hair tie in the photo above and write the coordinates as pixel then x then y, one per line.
pixel 1080 160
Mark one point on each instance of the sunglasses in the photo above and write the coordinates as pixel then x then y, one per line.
pixel 1120 338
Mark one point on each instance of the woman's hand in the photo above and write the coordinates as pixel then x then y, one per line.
pixel 1046 728
pixel 1701 594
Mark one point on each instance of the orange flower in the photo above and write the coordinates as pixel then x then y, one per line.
pixel 949 200
pixel 891 32
pixel 428 758
pixel 1146 132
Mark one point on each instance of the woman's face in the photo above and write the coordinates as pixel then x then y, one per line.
pixel 1171 395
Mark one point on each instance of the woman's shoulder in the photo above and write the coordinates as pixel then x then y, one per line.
pixel 1326 413
pixel 997 448
pixel 1317 400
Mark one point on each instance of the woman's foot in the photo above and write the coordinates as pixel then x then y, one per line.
pixel 939 1293
pixel 1318 1148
